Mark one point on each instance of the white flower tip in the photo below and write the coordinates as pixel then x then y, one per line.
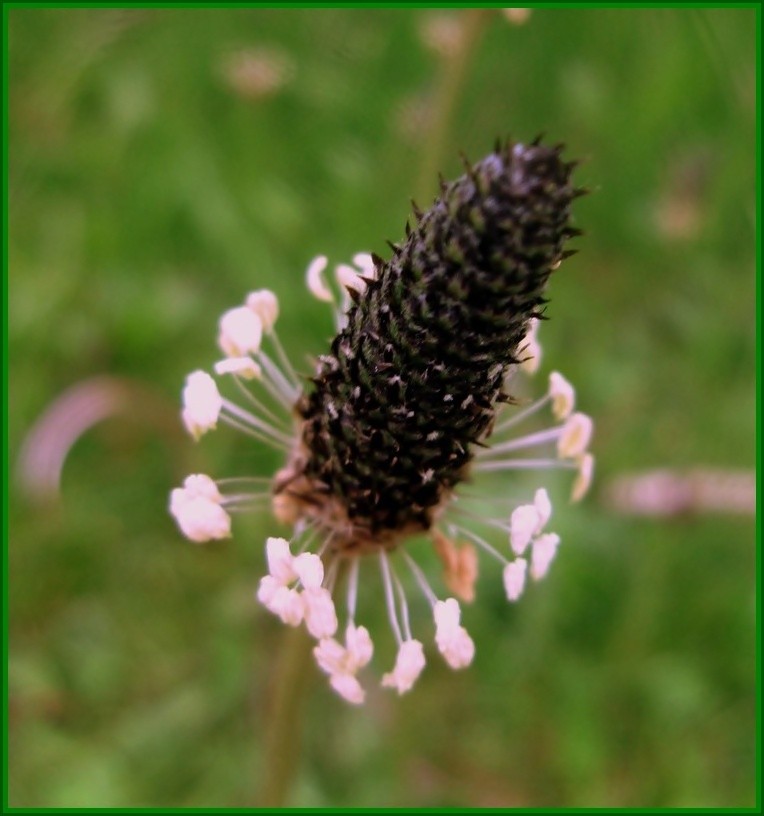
pixel 320 615
pixel 544 551
pixel 523 525
pixel 280 560
pixel 265 305
pixel 360 648
pixel 196 507
pixel 198 485
pixel 240 332
pixel 202 403
pixel 330 656
pixel 575 437
pixel 348 278
pixel 584 477
pixel 532 348
pixel 244 367
pixel 314 279
pixel 283 602
pixel 309 569
pixel 365 263
pixel 514 578
pixel 408 666
pixel 562 394
pixel 452 640
pixel 348 687
pixel 447 614
pixel 458 650
pixel 543 507
pixel 335 659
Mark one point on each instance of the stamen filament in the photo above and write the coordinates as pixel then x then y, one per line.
pixel 402 603
pixel 289 393
pixel 389 597
pixel 280 421
pixel 255 422
pixel 523 442
pixel 229 480
pixel 524 464
pixel 420 579
pixel 237 498
pixel 510 422
pixel 284 360
pixel 481 519
pixel 331 575
pixel 481 542
pixel 240 426
pixel 353 589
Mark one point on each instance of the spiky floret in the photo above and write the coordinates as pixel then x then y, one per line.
pixel 413 380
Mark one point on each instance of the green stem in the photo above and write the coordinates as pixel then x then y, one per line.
pixel 448 92
pixel 283 732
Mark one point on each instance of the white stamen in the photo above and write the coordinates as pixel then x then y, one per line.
pixel 403 605
pixel 330 656
pixel 523 464
pixel 288 392
pixel 348 687
pixel 241 332
pixel 201 403
pixel 348 278
pixel 283 602
pixel 562 394
pixel 197 509
pixel 389 597
pixel 315 281
pixel 365 263
pixel 452 640
pixel 542 555
pixel 360 649
pixel 529 441
pixel 519 417
pixel 409 663
pixel 255 422
pixel 261 437
pixel 280 560
pixel 543 508
pixel 284 360
pixel 266 306
pixel 199 485
pixel 420 579
pixel 481 542
pixel 279 421
pixel 514 578
pixel 309 569
pixel 584 477
pixel 575 437
pixel 244 367
pixel 523 525
pixel 532 348
pixel 320 615
pixel 353 588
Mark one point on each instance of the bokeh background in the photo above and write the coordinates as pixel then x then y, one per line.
pixel 165 162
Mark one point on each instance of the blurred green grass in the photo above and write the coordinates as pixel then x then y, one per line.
pixel 147 195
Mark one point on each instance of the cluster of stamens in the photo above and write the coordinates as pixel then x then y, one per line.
pixel 326 548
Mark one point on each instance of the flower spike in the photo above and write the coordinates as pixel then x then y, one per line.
pixel 415 396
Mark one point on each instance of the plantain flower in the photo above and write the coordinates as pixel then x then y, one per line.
pixel 415 396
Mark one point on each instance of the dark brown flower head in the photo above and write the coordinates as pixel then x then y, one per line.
pixel 412 382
